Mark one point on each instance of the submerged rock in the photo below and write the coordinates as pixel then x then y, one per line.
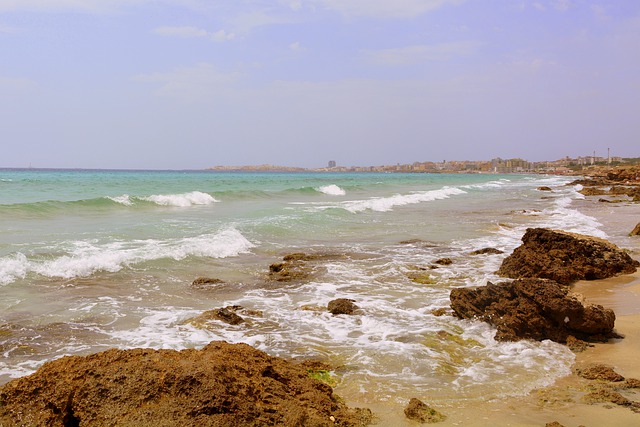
pixel 342 306
pixel 298 266
pixel 599 371
pixel 221 385
pixel 536 309
pixel 487 251
pixel 225 314
pixel 206 281
pixel 418 411
pixel 566 257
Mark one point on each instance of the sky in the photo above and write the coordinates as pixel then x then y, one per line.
pixel 190 84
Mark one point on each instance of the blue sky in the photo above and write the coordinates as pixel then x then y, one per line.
pixel 188 84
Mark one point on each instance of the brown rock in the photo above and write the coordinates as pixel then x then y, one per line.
pixel 544 188
pixel 553 424
pixel 535 309
pixel 487 251
pixel 576 345
pixel 225 314
pixel 566 257
pixel 220 385
pixel 418 411
pixel 342 306
pixel 202 282
pixel 298 266
pixel 592 191
pixel 599 371
pixel 635 231
pixel 438 312
pixel 443 261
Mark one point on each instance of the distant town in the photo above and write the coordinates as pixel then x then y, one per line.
pixel 566 165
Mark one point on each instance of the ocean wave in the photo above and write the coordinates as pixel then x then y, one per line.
pixel 181 200
pixel 332 190
pixel 385 204
pixel 85 258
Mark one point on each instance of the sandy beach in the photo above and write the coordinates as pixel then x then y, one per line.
pixel 563 402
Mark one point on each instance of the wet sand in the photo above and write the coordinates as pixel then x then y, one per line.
pixel 563 402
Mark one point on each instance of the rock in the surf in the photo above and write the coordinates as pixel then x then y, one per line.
pixel 486 251
pixel 221 385
pixel 419 411
pixel 342 306
pixel 535 309
pixel 225 314
pixel 635 231
pixel 299 266
pixel 566 257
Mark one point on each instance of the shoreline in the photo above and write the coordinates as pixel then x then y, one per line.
pixel 559 401
pixel 562 401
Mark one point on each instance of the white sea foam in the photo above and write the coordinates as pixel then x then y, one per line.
pixel 13 267
pixel 332 190
pixel 125 199
pixel 86 258
pixel 385 204
pixel 181 200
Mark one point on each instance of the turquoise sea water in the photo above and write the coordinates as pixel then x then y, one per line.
pixel 91 260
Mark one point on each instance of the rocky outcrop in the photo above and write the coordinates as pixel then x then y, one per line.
pixel 299 266
pixel 487 251
pixel 535 309
pixel 225 314
pixel 566 257
pixel 342 306
pixel 202 282
pixel 418 411
pixel 624 180
pixel 607 386
pixel 221 385
pixel 599 371
pixel 635 231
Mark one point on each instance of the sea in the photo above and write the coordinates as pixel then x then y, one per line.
pixel 99 259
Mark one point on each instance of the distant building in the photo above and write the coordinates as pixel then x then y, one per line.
pixel 332 163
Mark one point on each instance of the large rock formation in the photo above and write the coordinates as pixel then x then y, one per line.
pixel 533 308
pixel 220 385
pixel 566 257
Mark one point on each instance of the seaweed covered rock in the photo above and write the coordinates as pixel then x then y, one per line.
pixel 299 266
pixel 221 385
pixel 565 257
pixel 342 306
pixel 536 309
pixel 421 412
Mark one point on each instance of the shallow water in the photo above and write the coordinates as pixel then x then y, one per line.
pixel 96 259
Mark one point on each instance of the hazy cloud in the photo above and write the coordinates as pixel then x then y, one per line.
pixel 385 8
pixel 86 6
pixel 296 47
pixel 194 32
pixel 16 84
pixel 419 54
pixel 191 84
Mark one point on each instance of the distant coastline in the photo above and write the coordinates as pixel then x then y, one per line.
pixel 564 166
